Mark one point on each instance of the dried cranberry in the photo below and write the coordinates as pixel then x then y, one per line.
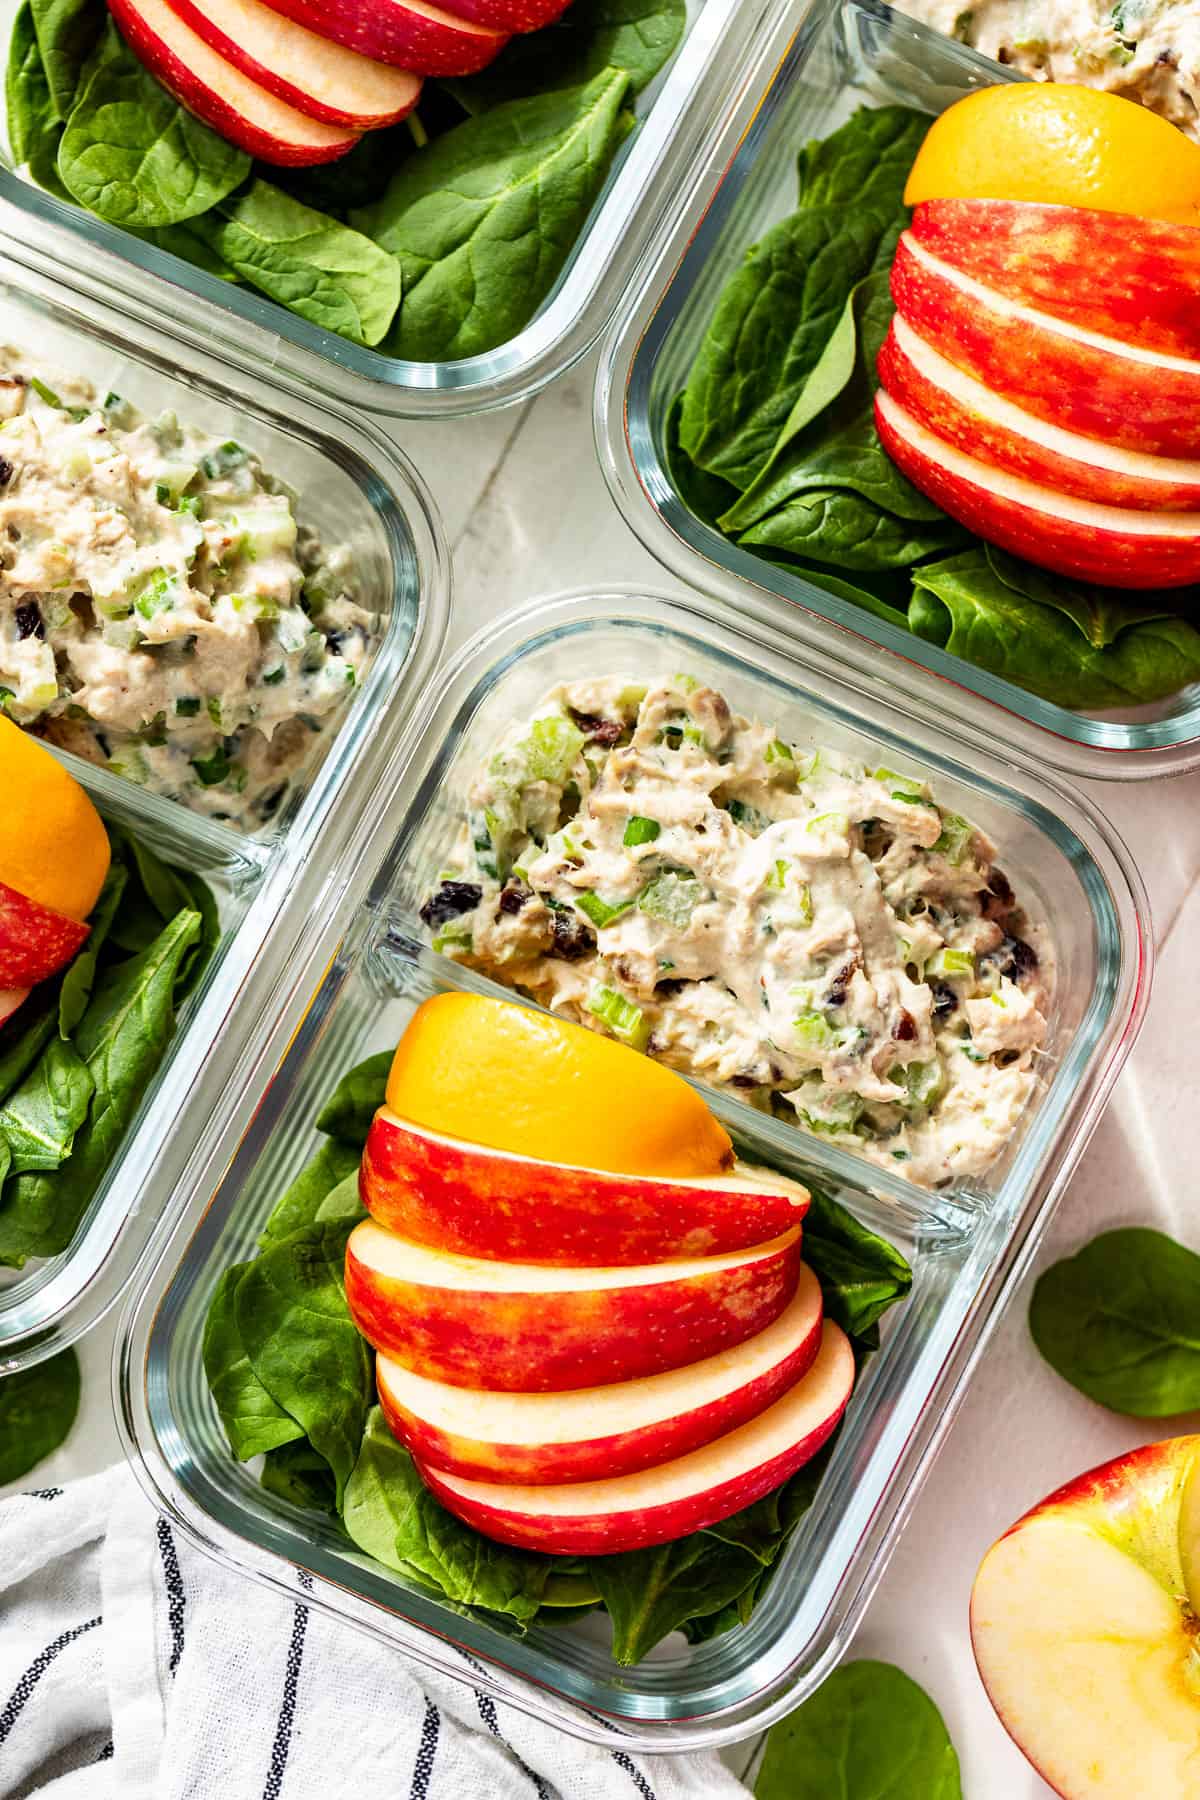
pixel 451 899
pixel 746 1081
pixel 604 732
pixel 906 1028
pixel 572 939
pixel 999 885
pixel 1013 957
pixel 513 896
pixel 945 1000
pixel 6 471
pixel 667 989
pixel 29 620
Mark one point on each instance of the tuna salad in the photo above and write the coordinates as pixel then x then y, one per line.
pixel 162 612
pixel 1146 50
pixel 820 936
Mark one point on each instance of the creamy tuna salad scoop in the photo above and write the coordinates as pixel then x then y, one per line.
pixel 162 612
pixel 821 936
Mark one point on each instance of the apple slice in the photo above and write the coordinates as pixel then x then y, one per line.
pixel 1113 545
pixel 410 33
pixel 10 1000
pixel 1138 283
pixel 602 1431
pixel 956 407
pixel 510 15
pixel 522 1327
pixel 1081 380
pixel 317 77
pixel 478 1201
pixel 594 1518
pixel 202 80
pixel 1084 1637
pixel 35 941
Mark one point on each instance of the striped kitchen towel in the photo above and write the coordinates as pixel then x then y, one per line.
pixel 132 1667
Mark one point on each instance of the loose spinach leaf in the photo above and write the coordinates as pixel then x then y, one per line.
pixel 356 1099
pixel 832 525
pixel 121 1038
pixel 636 36
pixel 297 1473
pixel 868 1733
pixel 326 1188
pixel 482 220
pixel 390 1513
pixel 34 127
pixel 1121 1322
pixel 964 606
pixel 650 1593
pixel 290 1308
pixel 67 33
pixel 133 155
pixel 37 1409
pixel 861 1274
pixel 315 265
pixel 253 1421
pixel 39 1119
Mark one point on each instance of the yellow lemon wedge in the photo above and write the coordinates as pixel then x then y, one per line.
pixel 1061 145
pixel 497 1074
pixel 53 845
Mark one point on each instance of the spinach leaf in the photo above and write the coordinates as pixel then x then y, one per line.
pixel 67 32
pixel 358 179
pixel 132 155
pixel 866 163
pixel 326 1188
pixel 868 1733
pixel 390 1513
pixel 77 983
pixel 295 1472
pixel 1120 1321
pixel 356 1099
pixel 34 127
pixel 37 1409
pixel 482 220
pixel 636 36
pixel 313 264
pixel 20 1050
pixel 873 598
pixel 705 495
pixel 121 1038
pixel 291 1312
pixel 186 242
pixel 833 525
pixel 650 1593
pixel 39 1119
pixel 253 1421
pixel 1101 613
pixel 861 1274
pixel 964 606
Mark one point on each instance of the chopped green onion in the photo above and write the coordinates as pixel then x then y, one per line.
pixel 212 770
pixel 187 706
pixel 273 677
pixel 778 751
pixel 625 1020
pixel 212 707
pixel 908 797
pixel 955 837
pixel 748 817
pixel 640 831
pixel 601 912
pixel 972 1054
pixel 778 874
pixel 46 393
pixel 222 461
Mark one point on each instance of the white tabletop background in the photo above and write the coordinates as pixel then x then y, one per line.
pixel 527 513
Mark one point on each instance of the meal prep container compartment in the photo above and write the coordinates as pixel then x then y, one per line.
pixel 358 490
pixel 349 990
pixel 676 117
pixel 807 79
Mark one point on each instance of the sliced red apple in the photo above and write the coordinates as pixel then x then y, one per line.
pixel 956 407
pixel 317 77
pixel 410 33
pixel 594 1518
pixel 202 80
pixel 524 1327
pixel 1112 545
pixel 1139 283
pixel 1081 380
pixel 510 15
pixel 478 1201
pixel 601 1431
pixel 10 1000
pixel 35 941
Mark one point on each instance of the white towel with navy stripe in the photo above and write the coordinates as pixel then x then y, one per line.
pixel 132 1667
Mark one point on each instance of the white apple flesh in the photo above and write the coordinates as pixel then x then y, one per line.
pixel 1084 1634
pixel 413 34
pixel 322 79
pixel 10 1000
pixel 201 79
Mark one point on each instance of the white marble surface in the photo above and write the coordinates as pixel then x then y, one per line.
pixel 527 513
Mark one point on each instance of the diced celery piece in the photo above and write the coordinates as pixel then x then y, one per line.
pixel 778 874
pixel 551 748
pixel 115 607
pixel 625 1020
pixel 951 963
pixel 630 698
pixel 212 707
pixel 212 770
pixel 223 460
pixel 807 766
pixel 259 607
pixel 453 937
pixel 955 838
pixel 601 912
pixel 804 904
pixel 909 797
pixel 777 751
pixel 925 1081
pixel 264 529
pixel 158 593
pixel 671 898
pixel 684 684
pixel 827 1110
pixel 640 831
pixel 76 463
pixel 747 817
pixel 835 822
pixel 815 1032
pixel 131 764
pixel 174 480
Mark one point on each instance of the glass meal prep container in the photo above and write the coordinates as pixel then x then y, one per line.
pixel 809 77
pixel 355 977
pixel 358 491
pixel 675 119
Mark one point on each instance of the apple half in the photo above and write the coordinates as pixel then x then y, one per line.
pixel 601 1431
pixel 35 941
pixel 1139 282
pixel 1115 545
pixel 959 409
pixel 1079 379
pixel 322 79
pixel 523 1327
pixel 413 34
pixel 201 79
pixel 477 1201
pixel 1084 1625
pixel 628 1512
